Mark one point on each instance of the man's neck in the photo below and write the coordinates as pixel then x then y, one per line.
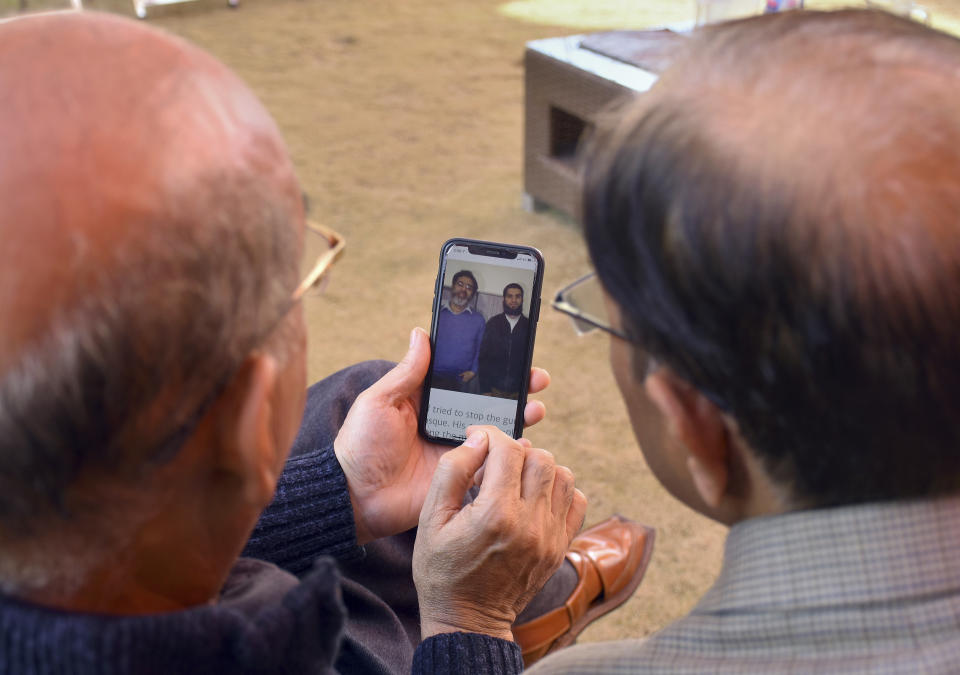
pixel 455 309
pixel 174 554
pixel 133 584
pixel 128 598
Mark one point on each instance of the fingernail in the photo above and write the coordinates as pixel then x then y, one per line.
pixel 476 439
pixel 413 338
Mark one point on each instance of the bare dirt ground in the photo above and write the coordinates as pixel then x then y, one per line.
pixel 404 120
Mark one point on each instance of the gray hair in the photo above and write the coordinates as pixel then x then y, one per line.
pixel 112 387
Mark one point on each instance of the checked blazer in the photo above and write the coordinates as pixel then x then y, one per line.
pixel 871 588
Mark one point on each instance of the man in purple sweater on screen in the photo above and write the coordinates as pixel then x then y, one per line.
pixel 459 334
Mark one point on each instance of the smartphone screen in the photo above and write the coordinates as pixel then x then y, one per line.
pixel 485 310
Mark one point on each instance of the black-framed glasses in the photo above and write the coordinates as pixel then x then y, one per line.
pixel 584 303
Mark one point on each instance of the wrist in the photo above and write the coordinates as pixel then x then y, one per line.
pixel 361 529
pixel 431 625
pixel 364 536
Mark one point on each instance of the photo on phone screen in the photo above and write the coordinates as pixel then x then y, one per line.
pixel 485 311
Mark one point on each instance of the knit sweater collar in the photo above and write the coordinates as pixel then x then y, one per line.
pixel 267 621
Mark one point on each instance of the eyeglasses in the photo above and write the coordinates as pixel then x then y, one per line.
pixel 461 284
pixel 315 268
pixel 583 302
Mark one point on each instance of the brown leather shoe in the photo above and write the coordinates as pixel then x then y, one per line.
pixel 611 559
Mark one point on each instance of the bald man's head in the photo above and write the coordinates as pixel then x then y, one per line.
pixel 150 223
pixel 777 220
pixel 115 125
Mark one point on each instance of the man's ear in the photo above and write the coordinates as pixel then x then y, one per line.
pixel 247 445
pixel 694 421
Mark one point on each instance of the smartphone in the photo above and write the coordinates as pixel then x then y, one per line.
pixel 485 309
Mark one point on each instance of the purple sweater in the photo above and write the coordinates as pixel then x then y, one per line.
pixel 458 341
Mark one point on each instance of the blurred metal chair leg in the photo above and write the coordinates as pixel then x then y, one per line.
pixel 74 4
pixel 140 6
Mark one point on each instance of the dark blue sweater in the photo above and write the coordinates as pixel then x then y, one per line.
pixel 267 620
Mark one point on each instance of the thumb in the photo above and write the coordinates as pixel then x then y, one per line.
pixel 452 478
pixel 406 377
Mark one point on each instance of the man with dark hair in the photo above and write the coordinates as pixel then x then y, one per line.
pixel 459 332
pixel 152 383
pixel 503 351
pixel 775 229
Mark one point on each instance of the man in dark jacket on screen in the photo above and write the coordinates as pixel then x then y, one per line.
pixel 503 351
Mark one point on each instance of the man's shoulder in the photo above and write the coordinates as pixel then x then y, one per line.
pixel 894 641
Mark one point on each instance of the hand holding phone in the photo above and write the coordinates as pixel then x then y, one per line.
pixel 485 309
pixel 387 463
